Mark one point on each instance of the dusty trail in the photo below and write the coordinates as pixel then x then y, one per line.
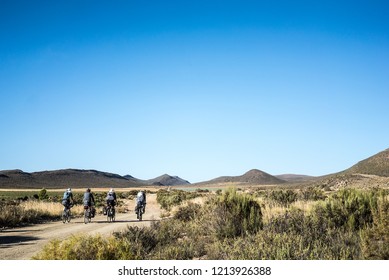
pixel 24 242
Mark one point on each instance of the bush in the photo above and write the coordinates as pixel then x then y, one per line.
pixel 312 193
pixel 283 197
pixel 168 199
pixel 232 214
pixel 187 213
pixel 86 247
pixel 349 208
pixel 375 239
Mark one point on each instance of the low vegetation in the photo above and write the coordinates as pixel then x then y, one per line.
pixel 309 224
pixel 18 208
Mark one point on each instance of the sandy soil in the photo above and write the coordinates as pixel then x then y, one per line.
pixel 24 242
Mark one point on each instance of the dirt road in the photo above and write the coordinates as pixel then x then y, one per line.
pixel 24 242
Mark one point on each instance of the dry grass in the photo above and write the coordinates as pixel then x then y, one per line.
pixel 52 208
pixel 270 210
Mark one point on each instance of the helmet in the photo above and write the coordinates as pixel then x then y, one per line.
pixel 111 190
pixel 69 190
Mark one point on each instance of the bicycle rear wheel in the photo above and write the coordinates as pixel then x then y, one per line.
pixel 64 218
pixel 68 216
pixel 86 216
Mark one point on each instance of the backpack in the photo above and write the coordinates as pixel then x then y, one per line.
pixel 66 196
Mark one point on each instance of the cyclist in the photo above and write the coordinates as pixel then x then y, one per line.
pixel 67 199
pixel 141 201
pixel 111 199
pixel 89 201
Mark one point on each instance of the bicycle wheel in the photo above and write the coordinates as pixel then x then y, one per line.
pixel 64 218
pixel 140 213
pixel 68 216
pixel 108 215
pixel 86 216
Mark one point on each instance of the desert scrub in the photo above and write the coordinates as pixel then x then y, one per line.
pixel 349 208
pixel 312 193
pixel 232 214
pixel 188 212
pixel 87 247
pixel 168 199
pixel 230 226
pixel 282 198
pixel 375 239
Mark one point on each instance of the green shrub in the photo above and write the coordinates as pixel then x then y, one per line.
pixel 375 239
pixel 349 208
pixel 188 212
pixel 233 214
pixel 312 193
pixel 283 197
pixel 85 247
pixel 141 240
pixel 168 199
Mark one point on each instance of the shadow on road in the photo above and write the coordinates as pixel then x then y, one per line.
pixel 116 221
pixel 11 240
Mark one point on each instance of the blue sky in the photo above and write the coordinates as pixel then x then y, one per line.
pixel 197 89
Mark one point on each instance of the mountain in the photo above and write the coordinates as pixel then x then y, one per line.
pixel 65 178
pixel 295 177
pixel 377 164
pixel 167 180
pixel 253 176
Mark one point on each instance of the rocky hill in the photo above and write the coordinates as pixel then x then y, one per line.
pixel 74 178
pixel 167 180
pixel 377 164
pixel 254 176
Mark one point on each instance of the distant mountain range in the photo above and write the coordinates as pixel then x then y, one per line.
pixel 75 178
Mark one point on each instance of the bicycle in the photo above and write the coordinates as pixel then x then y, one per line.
pixel 139 211
pixel 66 214
pixel 110 213
pixel 87 214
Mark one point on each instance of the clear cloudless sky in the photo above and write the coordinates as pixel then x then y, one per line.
pixel 197 89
